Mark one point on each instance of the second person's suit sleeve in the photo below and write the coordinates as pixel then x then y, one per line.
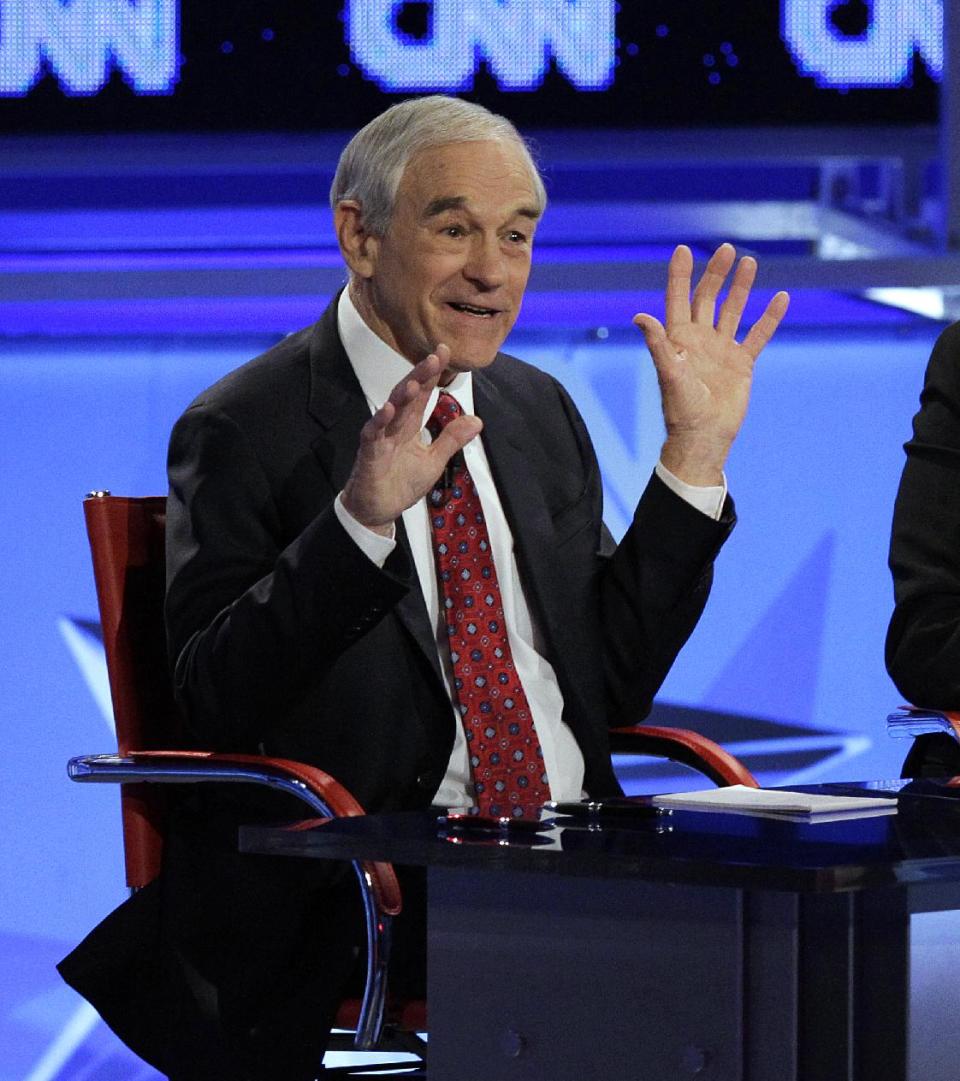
pixel 923 641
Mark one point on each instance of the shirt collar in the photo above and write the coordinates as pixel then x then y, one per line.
pixel 379 368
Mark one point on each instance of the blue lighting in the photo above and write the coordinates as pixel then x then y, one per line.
pixel 516 39
pixel 80 41
pixel 882 56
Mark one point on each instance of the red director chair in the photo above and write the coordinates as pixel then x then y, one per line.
pixel 127 544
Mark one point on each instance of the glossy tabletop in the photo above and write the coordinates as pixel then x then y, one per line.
pixel 917 845
pixel 728 946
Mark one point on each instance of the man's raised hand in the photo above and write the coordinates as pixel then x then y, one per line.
pixel 394 468
pixel 704 373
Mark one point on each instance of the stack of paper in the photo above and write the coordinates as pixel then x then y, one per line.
pixel 793 806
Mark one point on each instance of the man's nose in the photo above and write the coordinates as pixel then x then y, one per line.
pixel 485 265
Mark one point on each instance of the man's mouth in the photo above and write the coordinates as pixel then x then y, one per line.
pixel 473 309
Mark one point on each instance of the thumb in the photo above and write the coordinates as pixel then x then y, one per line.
pixel 652 329
pixel 661 350
pixel 454 437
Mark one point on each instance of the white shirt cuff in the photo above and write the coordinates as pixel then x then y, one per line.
pixel 708 500
pixel 374 546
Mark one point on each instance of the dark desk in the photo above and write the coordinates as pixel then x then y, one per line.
pixel 707 946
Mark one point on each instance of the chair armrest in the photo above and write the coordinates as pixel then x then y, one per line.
pixel 910 721
pixel 683 745
pixel 379 888
pixel 319 790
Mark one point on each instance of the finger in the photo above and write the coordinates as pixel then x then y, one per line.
pixel 708 288
pixel 431 368
pixel 409 397
pixel 377 425
pixel 454 437
pixel 442 353
pixel 763 329
pixel 679 273
pixel 421 378
pixel 661 349
pixel 731 311
pixel 403 398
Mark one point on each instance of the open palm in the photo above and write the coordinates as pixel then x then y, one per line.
pixel 704 372
pixel 394 468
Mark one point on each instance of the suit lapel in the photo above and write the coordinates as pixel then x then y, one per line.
pixel 413 612
pixel 339 407
pixel 336 401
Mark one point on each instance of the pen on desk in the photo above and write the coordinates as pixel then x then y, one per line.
pixel 604 809
pixel 469 823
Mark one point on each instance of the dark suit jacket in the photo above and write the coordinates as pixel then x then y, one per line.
pixel 923 641
pixel 287 640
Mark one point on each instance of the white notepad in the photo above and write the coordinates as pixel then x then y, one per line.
pixel 802 806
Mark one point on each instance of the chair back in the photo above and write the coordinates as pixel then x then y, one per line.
pixel 127 544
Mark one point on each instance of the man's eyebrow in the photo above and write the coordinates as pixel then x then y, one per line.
pixel 444 203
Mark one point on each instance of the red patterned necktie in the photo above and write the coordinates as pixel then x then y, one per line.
pixel 505 756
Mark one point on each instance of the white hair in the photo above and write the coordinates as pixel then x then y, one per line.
pixel 372 163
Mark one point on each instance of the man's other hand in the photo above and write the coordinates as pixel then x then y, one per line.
pixel 394 468
pixel 704 373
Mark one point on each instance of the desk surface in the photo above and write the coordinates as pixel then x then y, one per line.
pixel 753 947
pixel 919 845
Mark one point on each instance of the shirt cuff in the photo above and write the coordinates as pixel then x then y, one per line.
pixel 374 546
pixel 708 500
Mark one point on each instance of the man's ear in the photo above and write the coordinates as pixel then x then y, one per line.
pixel 358 247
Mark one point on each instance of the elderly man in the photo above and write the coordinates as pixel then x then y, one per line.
pixel 386 557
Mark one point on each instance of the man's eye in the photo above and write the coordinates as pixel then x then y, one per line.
pixel 453 230
pixel 516 237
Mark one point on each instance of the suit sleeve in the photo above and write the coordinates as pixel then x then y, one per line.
pixel 652 586
pixel 923 640
pixel 654 589
pixel 255 616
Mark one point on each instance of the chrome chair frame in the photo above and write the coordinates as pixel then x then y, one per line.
pixel 907 722
pixel 156 767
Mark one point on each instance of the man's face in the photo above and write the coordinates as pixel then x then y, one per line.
pixel 454 261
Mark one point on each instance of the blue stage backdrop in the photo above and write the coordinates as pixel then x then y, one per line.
pixel 789 652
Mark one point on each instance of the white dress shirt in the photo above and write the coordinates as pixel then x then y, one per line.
pixel 379 368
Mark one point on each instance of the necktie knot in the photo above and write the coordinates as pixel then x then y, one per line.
pixel 446 410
